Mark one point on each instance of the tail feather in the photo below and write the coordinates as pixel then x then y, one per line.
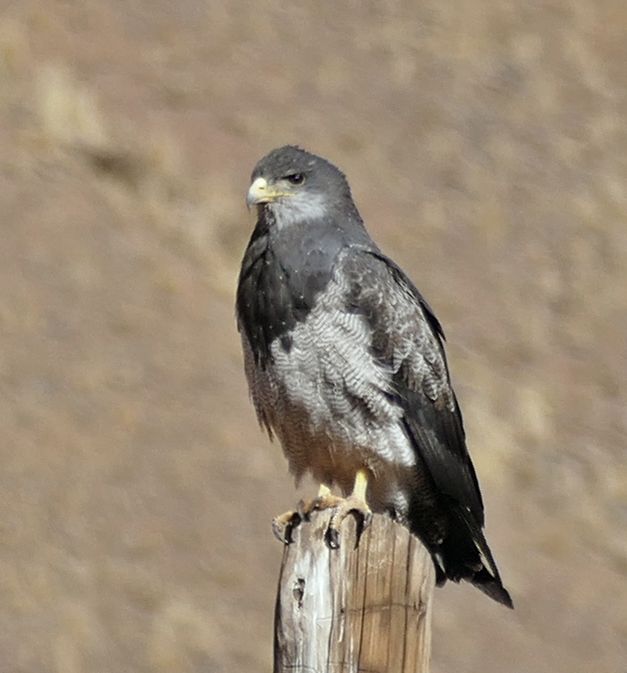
pixel 464 554
pixel 492 587
pixel 467 556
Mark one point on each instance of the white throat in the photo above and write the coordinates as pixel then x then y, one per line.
pixel 292 210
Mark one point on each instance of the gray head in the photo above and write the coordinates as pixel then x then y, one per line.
pixel 295 185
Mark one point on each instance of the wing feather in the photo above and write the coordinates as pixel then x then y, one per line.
pixel 408 340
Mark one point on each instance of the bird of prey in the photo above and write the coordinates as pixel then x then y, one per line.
pixel 346 366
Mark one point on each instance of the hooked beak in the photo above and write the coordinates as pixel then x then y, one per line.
pixel 258 193
pixel 261 192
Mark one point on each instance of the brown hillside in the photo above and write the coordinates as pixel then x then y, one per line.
pixel 486 146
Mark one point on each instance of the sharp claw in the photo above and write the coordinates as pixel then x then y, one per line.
pixel 284 525
pixel 293 523
pixel 363 518
pixel 332 537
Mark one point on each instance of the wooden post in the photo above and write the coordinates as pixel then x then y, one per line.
pixel 364 608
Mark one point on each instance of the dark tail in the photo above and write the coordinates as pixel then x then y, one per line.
pixel 464 554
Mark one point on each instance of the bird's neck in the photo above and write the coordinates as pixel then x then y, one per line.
pixel 294 212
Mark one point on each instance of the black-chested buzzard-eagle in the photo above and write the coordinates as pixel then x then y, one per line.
pixel 346 366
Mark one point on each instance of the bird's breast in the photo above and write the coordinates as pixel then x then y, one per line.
pixel 283 273
pixel 328 398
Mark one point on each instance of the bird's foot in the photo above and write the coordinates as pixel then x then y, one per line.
pixel 358 507
pixel 284 524
pixel 354 504
pixel 324 500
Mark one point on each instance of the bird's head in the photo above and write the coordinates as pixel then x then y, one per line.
pixel 297 186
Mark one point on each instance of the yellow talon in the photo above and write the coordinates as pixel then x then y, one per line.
pixel 324 500
pixel 355 504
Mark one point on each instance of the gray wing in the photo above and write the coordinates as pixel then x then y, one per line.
pixel 408 340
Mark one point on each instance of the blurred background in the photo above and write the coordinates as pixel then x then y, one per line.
pixel 486 145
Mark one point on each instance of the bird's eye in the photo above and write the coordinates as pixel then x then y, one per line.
pixel 296 178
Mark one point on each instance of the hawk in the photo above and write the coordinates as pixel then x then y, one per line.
pixel 346 366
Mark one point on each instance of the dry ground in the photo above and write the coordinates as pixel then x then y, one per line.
pixel 486 144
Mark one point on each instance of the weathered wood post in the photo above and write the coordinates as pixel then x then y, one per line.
pixel 364 608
